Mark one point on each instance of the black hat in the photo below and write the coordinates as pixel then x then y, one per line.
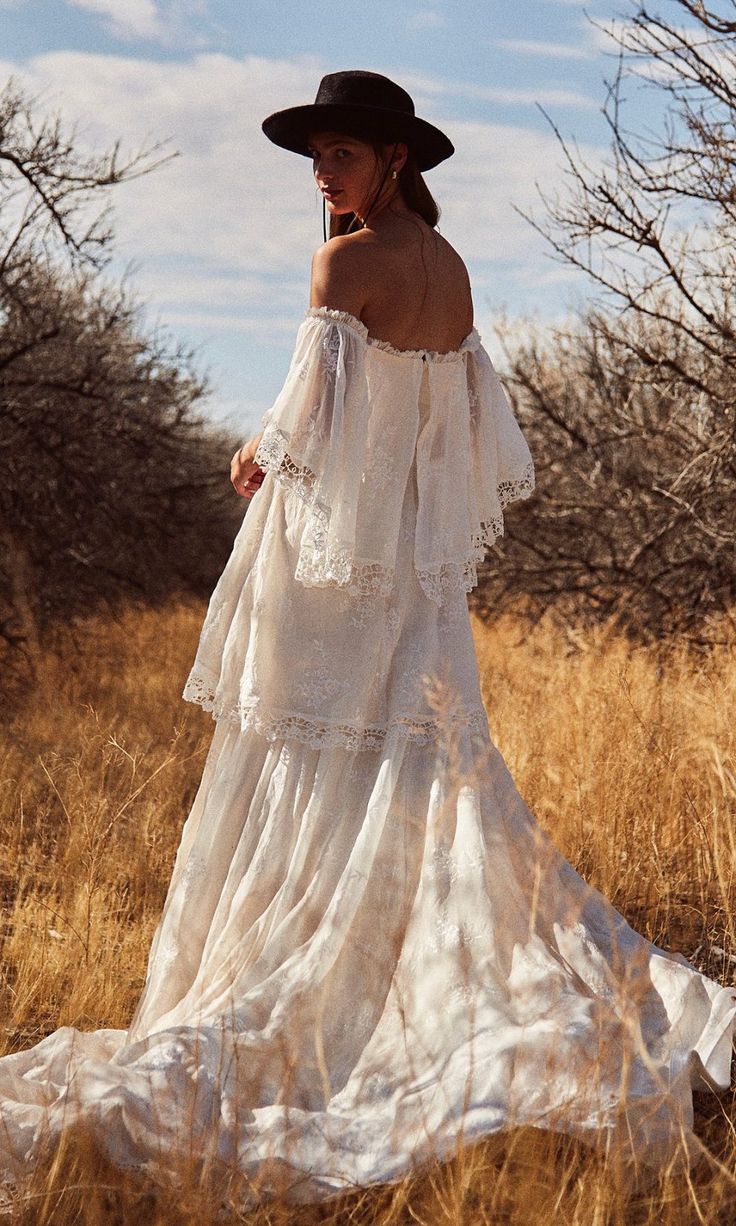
pixel 362 104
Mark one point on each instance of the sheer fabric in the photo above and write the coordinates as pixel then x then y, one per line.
pixel 369 951
pixel 342 608
pixel 347 428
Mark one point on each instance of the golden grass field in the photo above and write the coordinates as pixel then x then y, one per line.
pixel 627 757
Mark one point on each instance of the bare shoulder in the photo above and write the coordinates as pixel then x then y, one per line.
pixel 454 259
pixel 338 268
pixel 457 279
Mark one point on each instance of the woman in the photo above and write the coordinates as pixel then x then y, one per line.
pixel 369 950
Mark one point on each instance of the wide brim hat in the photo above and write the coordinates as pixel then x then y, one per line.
pixel 362 104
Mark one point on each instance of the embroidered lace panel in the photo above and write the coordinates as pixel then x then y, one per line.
pixel 462 575
pixel 319 564
pixel 326 734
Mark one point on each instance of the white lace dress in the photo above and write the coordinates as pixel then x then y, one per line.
pixel 369 950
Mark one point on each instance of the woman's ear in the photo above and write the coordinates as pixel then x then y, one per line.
pixel 398 161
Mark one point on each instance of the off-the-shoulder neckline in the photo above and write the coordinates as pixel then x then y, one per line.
pixel 471 342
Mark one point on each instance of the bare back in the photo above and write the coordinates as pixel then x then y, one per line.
pixel 417 289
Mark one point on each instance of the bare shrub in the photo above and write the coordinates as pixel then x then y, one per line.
pixel 631 412
pixel 112 483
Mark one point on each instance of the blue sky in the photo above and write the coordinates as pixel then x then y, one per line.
pixel 218 241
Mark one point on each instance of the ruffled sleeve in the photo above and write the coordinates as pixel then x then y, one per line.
pixel 472 460
pixel 502 468
pixel 322 438
pixel 353 418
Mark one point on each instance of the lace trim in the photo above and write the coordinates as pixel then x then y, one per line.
pixel 325 567
pixel 471 342
pixel 520 487
pixel 272 455
pixel 320 566
pixel 453 577
pixel 326 734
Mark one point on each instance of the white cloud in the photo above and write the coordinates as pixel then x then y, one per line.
pixel 134 19
pixel 519 331
pixel 221 236
pixel 496 166
pixel 529 97
pixel 227 203
pixel 148 20
pixel 666 65
pixel 234 218
pixel 435 87
pixel 606 33
pixel 268 331
pixel 558 51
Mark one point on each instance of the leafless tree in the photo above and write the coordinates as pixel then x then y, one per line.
pixel 53 197
pixel 633 412
pixel 112 484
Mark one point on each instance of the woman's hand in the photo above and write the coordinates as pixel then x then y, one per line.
pixel 245 475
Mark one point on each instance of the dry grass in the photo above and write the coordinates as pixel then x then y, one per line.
pixel 626 758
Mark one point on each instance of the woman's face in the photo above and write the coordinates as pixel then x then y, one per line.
pixel 346 171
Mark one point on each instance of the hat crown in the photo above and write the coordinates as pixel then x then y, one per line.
pixel 365 104
pixel 357 87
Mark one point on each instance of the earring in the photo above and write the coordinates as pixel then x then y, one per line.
pixel 393 174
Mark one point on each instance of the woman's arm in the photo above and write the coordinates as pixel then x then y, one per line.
pixel 334 283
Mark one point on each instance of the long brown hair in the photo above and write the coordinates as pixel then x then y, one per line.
pixel 414 190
